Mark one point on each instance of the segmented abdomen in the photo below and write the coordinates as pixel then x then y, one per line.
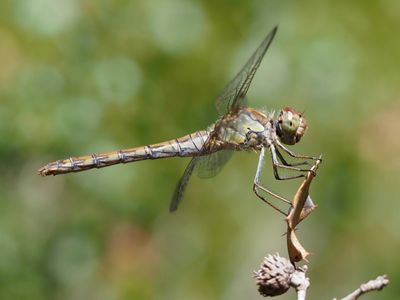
pixel 188 145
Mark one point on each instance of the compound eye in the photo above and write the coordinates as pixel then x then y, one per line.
pixel 290 124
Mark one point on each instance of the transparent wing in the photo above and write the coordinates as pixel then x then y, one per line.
pixel 182 183
pixel 210 165
pixel 205 167
pixel 235 91
pixel 232 96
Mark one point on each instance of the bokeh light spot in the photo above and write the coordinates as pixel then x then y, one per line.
pixel 177 24
pixel 47 17
pixel 117 79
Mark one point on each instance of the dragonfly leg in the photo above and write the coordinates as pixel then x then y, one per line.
pixel 257 186
pixel 276 165
pixel 282 159
pixel 295 155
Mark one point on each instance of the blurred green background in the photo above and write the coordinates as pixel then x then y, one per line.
pixel 78 77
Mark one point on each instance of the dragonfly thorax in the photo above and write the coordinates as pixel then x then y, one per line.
pixel 290 126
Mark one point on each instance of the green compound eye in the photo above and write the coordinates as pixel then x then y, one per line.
pixel 290 122
pixel 291 126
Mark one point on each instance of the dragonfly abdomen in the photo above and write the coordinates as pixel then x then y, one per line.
pixel 189 145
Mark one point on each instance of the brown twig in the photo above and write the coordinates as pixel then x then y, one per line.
pixel 277 274
pixel 302 206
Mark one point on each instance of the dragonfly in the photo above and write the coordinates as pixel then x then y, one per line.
pixel 239 128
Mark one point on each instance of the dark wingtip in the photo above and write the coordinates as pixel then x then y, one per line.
pixel 173 206
pixel 274 30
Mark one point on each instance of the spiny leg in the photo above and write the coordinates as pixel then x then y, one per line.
pixel 276 165
pixel 295 155
pixel 256 185
pixel 284 162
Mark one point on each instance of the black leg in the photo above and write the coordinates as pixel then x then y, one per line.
pixel 276 165
pixel 295 155
pixel 284 162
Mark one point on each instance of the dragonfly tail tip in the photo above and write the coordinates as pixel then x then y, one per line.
pixel 43 171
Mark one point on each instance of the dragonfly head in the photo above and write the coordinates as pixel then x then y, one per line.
pixel 290 126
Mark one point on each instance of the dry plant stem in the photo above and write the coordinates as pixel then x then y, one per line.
pixel 373 285
pixel 302 206
pixel 299 200
pixel 300 282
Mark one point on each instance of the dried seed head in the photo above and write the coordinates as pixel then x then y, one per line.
pixel 273 277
